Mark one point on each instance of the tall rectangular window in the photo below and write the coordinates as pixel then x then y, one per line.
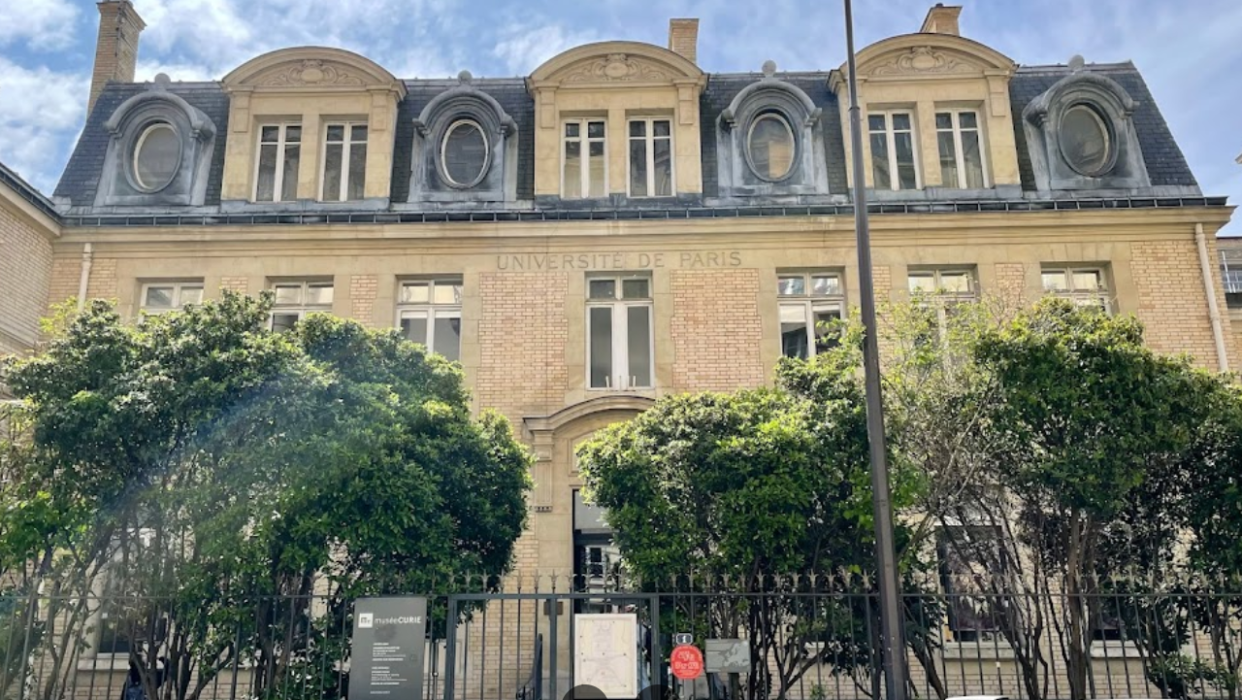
pixel 651 158
pixel 809 304
pixel 968 554
pixel 893 160
pixel 158 297
pixel 295 299
pixel 1086 286
pixel 941 291
pixel 961 150
pixel 280 148
pixel 429 312
pixel 344 162
pixel 620 352
pixel 584 159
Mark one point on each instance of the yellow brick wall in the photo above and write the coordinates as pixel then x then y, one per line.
pixel 103 282
pixel 1172 302
pixel 235 284
pixel 362 291
pixel 25 272
pixel 1011 283
pixel 716 330
pixel 522 333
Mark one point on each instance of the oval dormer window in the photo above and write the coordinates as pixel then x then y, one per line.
pixel 157 154
pixel 1086 141
pixel 770 147
pixel 464 153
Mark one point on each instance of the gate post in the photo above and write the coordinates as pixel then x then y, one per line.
pixel 552 657
pixel 450 651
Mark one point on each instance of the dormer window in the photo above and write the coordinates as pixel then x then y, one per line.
pixel 157 155
pixel 961 150
pixel 344 162
pixel 1085 141
pixel 280 147
pixel 893 164
pixel 651 158
pixel 770 147
pixel 464 153
pixel 583 156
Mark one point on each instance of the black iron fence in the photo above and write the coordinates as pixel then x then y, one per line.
pixel 524 638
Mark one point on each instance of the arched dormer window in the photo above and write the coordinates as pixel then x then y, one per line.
pixel 768 143
pixel 465 148
pixel 159 153
pixel 1081 135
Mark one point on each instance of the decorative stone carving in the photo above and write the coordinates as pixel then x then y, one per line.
pixel 310 73
pixel 923 60
pixel 617 67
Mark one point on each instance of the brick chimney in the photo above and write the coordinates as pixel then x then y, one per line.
pixel 116 49
pixel 683 37
pixel 942 19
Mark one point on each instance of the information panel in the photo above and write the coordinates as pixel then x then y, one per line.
pixel 387 649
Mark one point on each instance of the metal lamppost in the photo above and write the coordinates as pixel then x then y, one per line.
pixel 891 623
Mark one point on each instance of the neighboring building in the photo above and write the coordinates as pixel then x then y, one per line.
pixel 620 225
pixel 29 226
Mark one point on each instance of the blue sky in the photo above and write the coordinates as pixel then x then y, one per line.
pixel 1190 52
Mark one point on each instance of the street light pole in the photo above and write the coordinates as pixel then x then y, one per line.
pixel 891 623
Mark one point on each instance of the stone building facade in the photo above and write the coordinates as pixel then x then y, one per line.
pixel 29 226
pixel 621 225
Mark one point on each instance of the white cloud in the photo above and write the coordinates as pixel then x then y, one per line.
pixel 41 24
pixel 44 111
pixel 523 47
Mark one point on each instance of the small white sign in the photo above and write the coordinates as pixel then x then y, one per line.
pixel 727 656
pixel 683 638
pixel 606 653
pixel 366 620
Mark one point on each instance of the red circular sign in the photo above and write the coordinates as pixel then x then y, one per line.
pixel 687 662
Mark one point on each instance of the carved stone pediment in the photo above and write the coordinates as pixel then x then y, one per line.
pixel 309 73
pixel 923 60
pixel 616 68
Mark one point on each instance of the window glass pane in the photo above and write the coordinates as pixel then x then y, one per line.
pixel 634 289
pixel 827 334
pixel 282 322
pixel 597 169
pixel 923 282
pixel 663 168
pixel 825 285
pixel 359 132
pixel 662 127
pixel 1087 281
pixel 336 132
pixel 771 146
pixel 969 120
pixel 191 295
pixel 332 163
pixel 266 186
pixel 357 171
pixel 901 122
pixel 415 293
pixel 955 282
pixel 159 154
pixel 159 297
pixel 319 294
pixel 573 170
pixel 571 130
pixel 944 120
pixel 447 293
pixel 293 134
pixel 793 331
pixel 600 320
pixel 271 134
pixel 1054 281
pixel 638 344
pixel 905 160
pixel 465 152
pixel 877 122
pixel 288 294
pixel 414 326
pixel 602 289
pixel 948 159
pixel 638 128
pixel 791 286
pixel 289 185
pixel 595 130
pixel 1084 139
pixel 972 159
pixel 879 162
pixel 448 336
pixel 638 168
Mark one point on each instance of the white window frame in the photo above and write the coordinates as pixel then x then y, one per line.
pixel 621 332
pixel 584 172
pixel 430 308
pixel 810 304
pixel 302 308
pixel 959 154
pixel 178 289
pixel 649 138
pixel 890 137
pixel 940 299
pixel 1093 298
pixel 278 181
pixel 346 146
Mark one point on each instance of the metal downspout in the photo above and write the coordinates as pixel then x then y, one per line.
pixel 1209 286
